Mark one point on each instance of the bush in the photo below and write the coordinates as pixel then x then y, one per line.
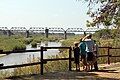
pixel 34 44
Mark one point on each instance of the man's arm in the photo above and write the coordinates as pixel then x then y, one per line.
pixel 85 37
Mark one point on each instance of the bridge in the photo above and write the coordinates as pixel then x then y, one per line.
pixel 42 31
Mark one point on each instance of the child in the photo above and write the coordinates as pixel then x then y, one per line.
pixel 76 56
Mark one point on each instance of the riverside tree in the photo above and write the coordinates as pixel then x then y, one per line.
pixel 106 13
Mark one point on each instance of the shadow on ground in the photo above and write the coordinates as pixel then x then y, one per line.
pixel 92 75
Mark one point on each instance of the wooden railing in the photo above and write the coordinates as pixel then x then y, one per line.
pixel 44 61
pixel 108 53
pixel 21 65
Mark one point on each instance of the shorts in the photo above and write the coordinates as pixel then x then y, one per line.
pixel 90 56
pixel 84 58
pixel 76 60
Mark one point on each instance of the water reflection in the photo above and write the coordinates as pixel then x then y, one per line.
pixel 19 58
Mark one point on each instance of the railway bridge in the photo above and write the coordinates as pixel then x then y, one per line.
pixel 42 30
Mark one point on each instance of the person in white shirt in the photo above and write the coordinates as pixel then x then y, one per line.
pixel 89 48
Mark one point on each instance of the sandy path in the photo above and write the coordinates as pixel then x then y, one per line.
pixel 106 72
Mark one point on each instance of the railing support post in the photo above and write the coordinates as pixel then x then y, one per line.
pixel 41 60
pixel 70 58
pixel 108 55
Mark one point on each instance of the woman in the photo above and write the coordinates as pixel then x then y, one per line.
pixel 83 54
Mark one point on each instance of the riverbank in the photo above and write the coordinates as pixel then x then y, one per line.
pixel 2 54
pixel 20 58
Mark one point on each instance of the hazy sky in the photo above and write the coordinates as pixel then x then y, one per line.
pixel 43 13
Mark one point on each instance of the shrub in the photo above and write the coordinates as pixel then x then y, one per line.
pixel 34 44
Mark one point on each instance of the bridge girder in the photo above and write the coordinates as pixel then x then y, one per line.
pixel 4 28
pixel 37 29
pixel 18 29
pixel 74 30
pixel 92 29
pixel 56 29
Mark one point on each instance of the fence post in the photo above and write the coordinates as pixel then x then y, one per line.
pixel 41 60
pixel 108 55
pixel 70 58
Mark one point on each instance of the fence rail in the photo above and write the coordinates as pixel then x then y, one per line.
pixel 21 65
pixel 44 61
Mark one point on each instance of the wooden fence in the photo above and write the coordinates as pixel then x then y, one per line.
pixel 44 61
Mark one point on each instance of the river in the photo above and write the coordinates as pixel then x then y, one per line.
pixel 19 58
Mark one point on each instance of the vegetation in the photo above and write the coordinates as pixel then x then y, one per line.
pixel 16 42
pixel 107 14
pixel 11 43
pixel 61 65
pixel 107 34
pixel 34 44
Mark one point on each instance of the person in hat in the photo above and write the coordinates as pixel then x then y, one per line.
pixel 83 54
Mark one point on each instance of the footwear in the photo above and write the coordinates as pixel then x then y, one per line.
pixel 78 70
pixel 95 70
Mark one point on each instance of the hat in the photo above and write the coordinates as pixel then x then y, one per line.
pixel 76 42
pixel 89 35
pixel 81 39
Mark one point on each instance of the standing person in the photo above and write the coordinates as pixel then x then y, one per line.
pixel 89 48
pixel 95 55
pixel 83 54
pixel 76 56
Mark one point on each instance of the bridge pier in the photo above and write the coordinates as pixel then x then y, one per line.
pixel 65 34
pixel 46 32
pixel 84 33
pixel 27 33
pixel 9 33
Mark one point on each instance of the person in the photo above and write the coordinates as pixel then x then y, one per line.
pixel 83 54
pixel 95 56
pixel 76 50
pixel 89 48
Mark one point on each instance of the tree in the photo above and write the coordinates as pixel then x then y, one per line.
pixel 108 13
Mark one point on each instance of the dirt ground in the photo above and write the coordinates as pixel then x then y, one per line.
pixel 106 72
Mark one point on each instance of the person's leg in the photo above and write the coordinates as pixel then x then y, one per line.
pixel 95 65
pixel 90 60
pixel 91 67
pixel 76 66
pixel 88 66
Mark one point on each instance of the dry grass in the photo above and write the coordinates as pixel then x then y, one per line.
pixel 106 72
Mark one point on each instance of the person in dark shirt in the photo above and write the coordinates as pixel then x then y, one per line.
pixel 77 56
pixel 95 56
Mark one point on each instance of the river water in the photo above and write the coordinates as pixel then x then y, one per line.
pixel 19 58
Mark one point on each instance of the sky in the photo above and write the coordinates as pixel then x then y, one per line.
pixel 43 13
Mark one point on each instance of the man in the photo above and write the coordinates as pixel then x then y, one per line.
pixel 96 55
pixel 90 49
